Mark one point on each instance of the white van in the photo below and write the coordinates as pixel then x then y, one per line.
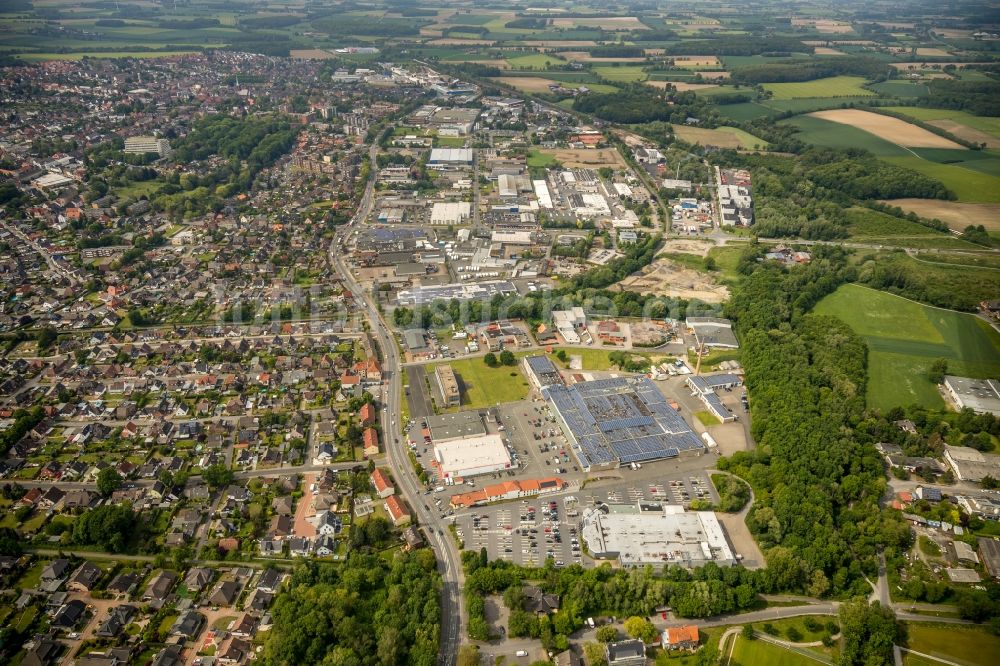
pixel 521 653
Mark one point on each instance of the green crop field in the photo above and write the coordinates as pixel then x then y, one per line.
pixel 968 184
pixel 32 57
pixel 829 134
pixel 746 138
pixel 808 104
pixel 744 111
pixel 905 337
pixel 966 645
pixel 834 86
pixel 535 61
pixel 900 89
pixel 624 74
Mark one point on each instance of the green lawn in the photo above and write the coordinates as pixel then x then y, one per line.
pixel 966 645
pixel 760 652
pixel 537 158
pixel 449 141
pixel 484 386
pixel 622 74
pixel 904 338
pixel 593 359
pixel 834 86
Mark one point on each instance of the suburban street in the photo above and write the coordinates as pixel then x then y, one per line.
pixel 449 562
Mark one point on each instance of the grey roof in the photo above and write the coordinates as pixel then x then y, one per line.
pixel 453 426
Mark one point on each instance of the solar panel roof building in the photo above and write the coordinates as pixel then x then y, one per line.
pixel 620 421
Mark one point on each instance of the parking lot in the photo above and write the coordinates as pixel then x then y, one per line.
pixel 528 532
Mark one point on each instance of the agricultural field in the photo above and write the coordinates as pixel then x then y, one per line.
pixel 870 226
pixel 968 184
pixel 621 74
pixel 900 89
pixel 722 137
pixel 834 86
pixel 888 128
pixel 905 337
pixel 829 134
pixel 956 215
pixel 535 61
pixel 979 129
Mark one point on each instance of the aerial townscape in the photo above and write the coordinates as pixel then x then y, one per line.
pixel 464 332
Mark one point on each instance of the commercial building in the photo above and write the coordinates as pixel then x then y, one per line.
pixel 454 212
pixel 140 145
pixel 472 456
pixel 713 332
pixel 980 395
pixel 970 464
pixel 482 291
pixel 660 535
pixel 448 427
pixel 448 386
pixel 570 323
pixel 620 421
pixel 542 193
pixel 508 490
pixel 541 372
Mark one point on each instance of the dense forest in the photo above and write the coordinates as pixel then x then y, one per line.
pixel 976 97
pixel 639 103
pixel 808 70
pixel 816 484
pixel 365 611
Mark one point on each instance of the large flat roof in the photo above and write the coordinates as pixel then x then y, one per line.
pixel 461 457
pixel 446 427
pixel 621 420
pixel 656 534
pixel 979 395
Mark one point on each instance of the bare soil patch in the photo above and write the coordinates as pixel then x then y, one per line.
pixel 891 129
pixel 584 56
pixel 587 158
pixel 458 41
pixel 697 61
pixel 664 277
pixel 608 23
pixel 531 84
pixel 311 54
pixel 825 50
pixel 700 248
pixel 956 215
pixel 928 52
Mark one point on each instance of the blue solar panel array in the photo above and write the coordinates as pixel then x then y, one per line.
pixel 623 420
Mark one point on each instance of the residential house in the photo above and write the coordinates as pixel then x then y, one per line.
pixel 198 579
pixel 398 512
pixel 680 638
pixel 370 442
pixel 270 580
pixel 56 569
pixel 626 653
pixel 383 485
pixel 367 414
pixel 69 615
pixel 188 624
pixel 172 655
pixel 84 578
pixel 118 618
pixel 225 593
pixel 159 587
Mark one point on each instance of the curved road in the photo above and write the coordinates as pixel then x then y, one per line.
pixel 449 562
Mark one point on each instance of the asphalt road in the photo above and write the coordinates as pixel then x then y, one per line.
pixel 449 562
pixel 420 402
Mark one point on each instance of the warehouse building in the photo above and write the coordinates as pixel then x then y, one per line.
pixel 448 386
pixel 705 388
pixel 713 332
pixel 655 534
pixel 970 464
pixel 471 456
pixel 453 212
pixel 616 421
pixel 450 157
pixel 980 395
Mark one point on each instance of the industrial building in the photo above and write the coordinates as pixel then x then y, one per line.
pixel 472 456
pixel 450 157
pixel 656 534
pixel 970 464
pixel 453 212
pixel 483 291
pixel 705 388
pixel 620 421
pixel 980 395
pixel 713 332
pixel 140 145
pixel 570 323
pixel 541 372
pixel 448 386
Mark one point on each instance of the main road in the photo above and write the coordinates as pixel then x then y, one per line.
pixel 449 561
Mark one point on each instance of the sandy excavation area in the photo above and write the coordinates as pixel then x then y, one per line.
pixel 891 129
pixel 665 277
